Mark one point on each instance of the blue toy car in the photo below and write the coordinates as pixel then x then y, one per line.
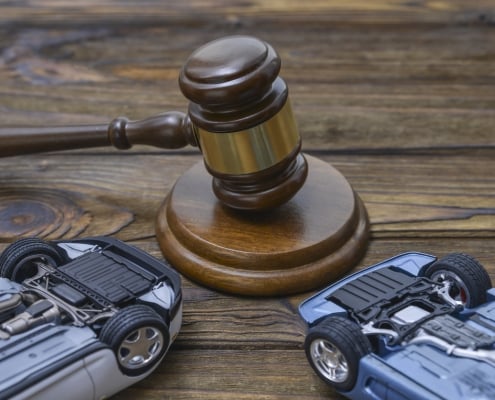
pixel 82 319
pixel 409 328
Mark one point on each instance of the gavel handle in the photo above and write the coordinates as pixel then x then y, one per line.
pixel 169 130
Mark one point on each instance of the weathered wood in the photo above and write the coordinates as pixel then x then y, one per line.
pixel 384 12
pixel 406 195
pixel 188 374
pixel 407 85
pixel 398 96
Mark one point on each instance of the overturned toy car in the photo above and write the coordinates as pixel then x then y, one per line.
pixel 87 317
pixel 409 328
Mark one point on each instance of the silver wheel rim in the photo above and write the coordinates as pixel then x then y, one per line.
pixel 329 360
pixel 462 297
pixel 140 348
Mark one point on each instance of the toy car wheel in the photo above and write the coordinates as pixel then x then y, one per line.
pixel 469 279
pixel 18 261
pixel 138 336
pixel 334 348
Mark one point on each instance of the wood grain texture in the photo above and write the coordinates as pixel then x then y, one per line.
pixel 398 96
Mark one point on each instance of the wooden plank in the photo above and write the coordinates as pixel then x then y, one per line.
pixel 406 195
pixel 353 87
pixel 58 11
pixel 425 195
pixel 242 374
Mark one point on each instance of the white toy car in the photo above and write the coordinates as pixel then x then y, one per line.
pixel 87 317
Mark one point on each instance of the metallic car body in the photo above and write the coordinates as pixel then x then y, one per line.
pixel 416 370
pixel 56 358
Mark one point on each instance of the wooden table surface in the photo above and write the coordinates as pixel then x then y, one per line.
pixel 398 96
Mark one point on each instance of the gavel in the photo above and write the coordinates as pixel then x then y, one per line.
pixel 239 116
pixel 291 222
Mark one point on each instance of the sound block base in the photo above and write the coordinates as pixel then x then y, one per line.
pixel 316 237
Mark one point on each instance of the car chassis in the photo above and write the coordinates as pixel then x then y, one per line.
pixel 365 321
pixel 85 297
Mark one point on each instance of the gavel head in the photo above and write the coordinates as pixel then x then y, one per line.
pixel 243 122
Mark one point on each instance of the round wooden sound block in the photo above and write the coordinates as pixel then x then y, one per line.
pixel 309 241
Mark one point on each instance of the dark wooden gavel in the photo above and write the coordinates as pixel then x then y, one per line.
pixel 239 116
pixel 241 119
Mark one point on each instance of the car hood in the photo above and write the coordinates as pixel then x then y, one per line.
pixel 447 376
pixel 32 355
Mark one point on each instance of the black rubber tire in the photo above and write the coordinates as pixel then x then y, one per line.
pixel 467 274
pixel 123 325
pixel 17 260
pixel 346 337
